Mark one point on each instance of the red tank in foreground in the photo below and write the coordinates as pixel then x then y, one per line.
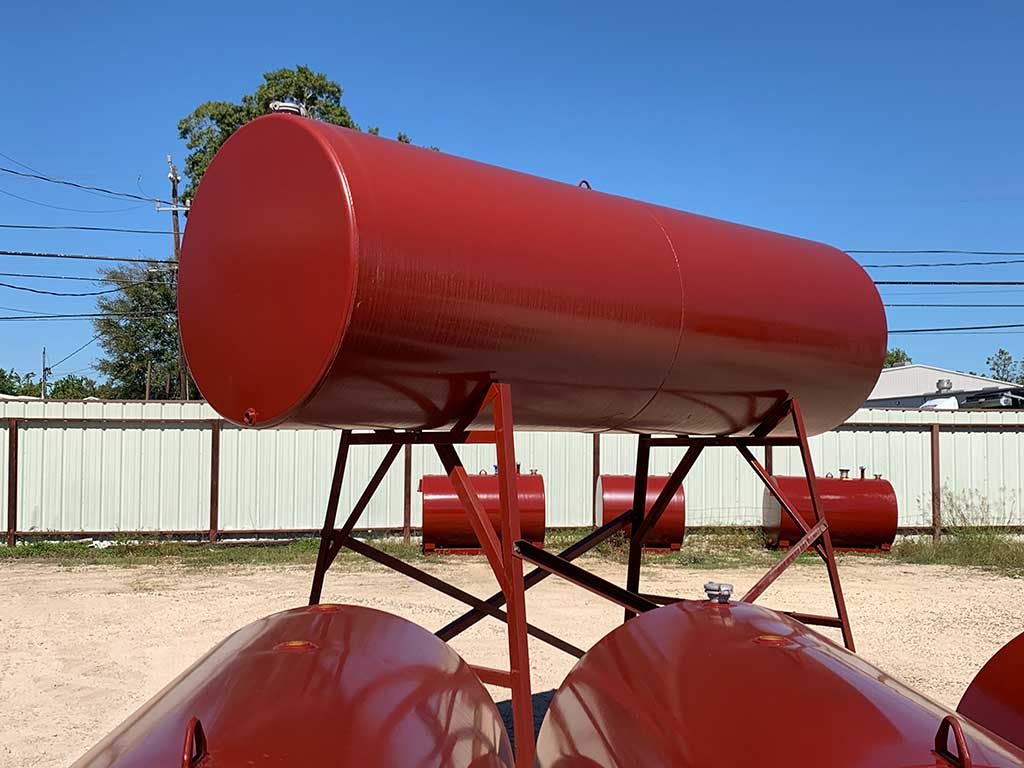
pixel 710 685
pixel 336 685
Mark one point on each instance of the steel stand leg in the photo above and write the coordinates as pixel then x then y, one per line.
pixel 327 533
pixel 636 543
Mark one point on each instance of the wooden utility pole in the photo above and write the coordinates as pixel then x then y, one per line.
pixel 43 377
pixel 174 178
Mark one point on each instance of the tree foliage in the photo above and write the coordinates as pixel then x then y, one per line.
pixel 1001 365
pixel 897 356
pixel 69 387
pixel 140 328
pixel 210 124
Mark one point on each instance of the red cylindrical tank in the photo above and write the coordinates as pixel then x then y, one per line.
pixel 446 527
pixel 336 685
pixel 995 698
pixel 862 514
pixel 331 277
pixel 614 495
pixel 703 685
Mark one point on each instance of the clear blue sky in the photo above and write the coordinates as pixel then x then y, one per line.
pixel 878 125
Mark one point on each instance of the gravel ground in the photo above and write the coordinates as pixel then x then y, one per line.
pixel 84 647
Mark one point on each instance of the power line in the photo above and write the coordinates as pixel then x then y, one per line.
pixel 79 316
pixel 63 293
pixel 63 208
pixel 85 187
pixel 37 276
pixel 958 328
pixel 976 306
pixel 65 359
pixel 88 229
pixel 949 282
pixel 933 251
pixel 18 162
pixel 80 256
pixel 926 265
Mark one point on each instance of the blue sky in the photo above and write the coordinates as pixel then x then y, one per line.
pixel 874 125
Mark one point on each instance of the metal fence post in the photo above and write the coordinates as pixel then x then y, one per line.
pixel 407 494
pixel 12 482
pixel 936 487
pixel 214 479
pixel 596 473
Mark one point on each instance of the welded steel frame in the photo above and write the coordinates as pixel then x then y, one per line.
pixel 816 536
pixel 498 549
pixel 506 552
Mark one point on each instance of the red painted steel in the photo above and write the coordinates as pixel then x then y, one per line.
pixel 700 684
pixel 335 685
pixel 445 527
pixel 861 514
pixel 995 698
pixel 330 277
pixel 614 495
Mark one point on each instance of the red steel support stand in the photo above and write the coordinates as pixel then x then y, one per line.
pixel 507 568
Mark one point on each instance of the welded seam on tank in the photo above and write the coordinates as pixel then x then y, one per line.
pixel 354 259
pixel 679 336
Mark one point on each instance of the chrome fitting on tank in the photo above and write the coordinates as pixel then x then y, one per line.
pixel 718 593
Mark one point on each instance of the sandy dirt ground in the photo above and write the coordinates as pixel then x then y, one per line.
pixel 82 648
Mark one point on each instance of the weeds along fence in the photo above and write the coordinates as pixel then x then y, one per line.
pixel 110 468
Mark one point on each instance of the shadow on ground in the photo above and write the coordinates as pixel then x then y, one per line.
pixel 540 708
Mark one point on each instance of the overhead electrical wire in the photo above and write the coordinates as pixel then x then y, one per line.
pixel 947 251
pixel 68 357
pixel 72 210
pixel 81 257
pixel 83 315
pixel 88 229
pixel 949 282
pixel 958 328
pixel 37 276
pixel 85 187
pixel 930 265
pixel 26 289
pixel 972 306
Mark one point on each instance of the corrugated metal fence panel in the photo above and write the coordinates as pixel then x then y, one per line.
pixel 98 476
pixel 281 479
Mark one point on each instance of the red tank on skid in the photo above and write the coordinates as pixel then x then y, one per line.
pixel 446 528
pixel 705 684
pixel 614 495
pixel 862 514
pixel 338 685
pixel 333 278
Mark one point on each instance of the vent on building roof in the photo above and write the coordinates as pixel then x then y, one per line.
pixel 943 385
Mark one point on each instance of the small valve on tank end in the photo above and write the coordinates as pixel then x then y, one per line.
pixel 718 593
pixel 863 471
pixel 844 474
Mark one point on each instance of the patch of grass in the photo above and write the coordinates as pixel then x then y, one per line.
pixel 971 537
pixel 127 553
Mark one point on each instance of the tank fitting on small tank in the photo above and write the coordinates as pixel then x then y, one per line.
pixel 718 593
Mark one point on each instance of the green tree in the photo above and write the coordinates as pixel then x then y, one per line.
pixel 18 385
pixel 210 124
pixel 897 356
pixel 73 387
pixel 139 328
pixel 1001 365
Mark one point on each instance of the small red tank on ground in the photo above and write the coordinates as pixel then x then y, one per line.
pixel 338 685
pixel 446 528
pixel 862 514
pixel 614 495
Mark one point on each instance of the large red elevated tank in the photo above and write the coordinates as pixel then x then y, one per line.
pixel 335 685
pixel 862 514
pixel 446 527
pixel 704 684
pixel 614 495
pixel 330 277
